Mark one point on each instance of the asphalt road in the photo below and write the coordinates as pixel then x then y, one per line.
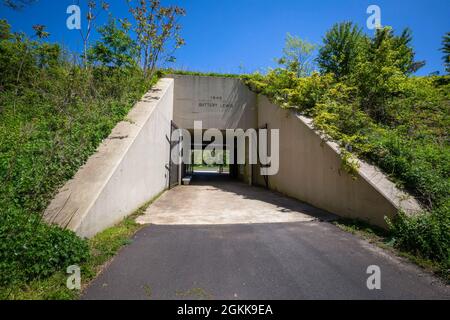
pixel 297 260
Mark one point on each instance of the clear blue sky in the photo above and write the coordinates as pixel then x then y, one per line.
pixel 247 35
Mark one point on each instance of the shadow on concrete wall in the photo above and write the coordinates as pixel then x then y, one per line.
pixel 233 117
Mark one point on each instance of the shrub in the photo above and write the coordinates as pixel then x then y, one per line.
pixel 297 55
pixel 53 116
pixel 116 48
pixel 426 235
pixel 341 46
pixel 30 249
pixel 372 107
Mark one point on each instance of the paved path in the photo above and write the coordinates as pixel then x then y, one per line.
pixel 223 202
pixel 297 255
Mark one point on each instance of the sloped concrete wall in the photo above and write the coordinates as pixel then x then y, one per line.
pixel 219 102
pixel 128 169
pixel 131 165
pixel 310 170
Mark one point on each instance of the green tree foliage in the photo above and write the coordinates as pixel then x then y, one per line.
pixel 158 32
pixel 376 110
pixel 94 9
pixel 115 47
pixel 53 115
pixel 21 58
pixel 376 65
pixel 446 51
pixel 345 46
pixel 17 4
pixel 384 64
pixel 297 56
pixel 379 72
pixel 341 48
pixel 5 30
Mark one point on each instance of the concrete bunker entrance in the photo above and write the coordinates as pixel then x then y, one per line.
pixel 126 173
pixel 218 103
pixel 213 161
pixel 310 167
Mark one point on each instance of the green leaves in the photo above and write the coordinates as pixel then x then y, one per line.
pixel 426 235
pixel 342 45
pixel 30 249
pixel 158 32
pixel 116 48
pixel 366 101
pixel 52 118
pixel 375 66
pixel 5 30
pixel 40 31
pixel 446 50
pixel 297 56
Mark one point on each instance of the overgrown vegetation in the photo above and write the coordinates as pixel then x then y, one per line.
pixel 298 56
pixel 385 239
pixel 446 51
pixel 102 248
pixel 365 98
pixel 54 112
pixel 157 30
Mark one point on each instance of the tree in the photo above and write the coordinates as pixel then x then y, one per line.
pixel 297 56
pixel 381 68
pixel 389 50
pixel 5 30
pixel 405 54
pixel 446 51
pixel 341 46
pixel 40 32
pixel 158 32
pixel 17 4
pixel 116 48
pixel 92 15
pixel 345 46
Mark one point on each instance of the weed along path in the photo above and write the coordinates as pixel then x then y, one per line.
pixel 220 239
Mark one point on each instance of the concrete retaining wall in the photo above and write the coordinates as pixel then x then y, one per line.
pixel 131 166
pixel 310 170
pixel 128 169
pixel 219 102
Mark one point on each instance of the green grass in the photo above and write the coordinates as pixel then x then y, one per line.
pixel 103 247
pixel 384 239
pixel 42 147
pixel 202 74
pixel 54 114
